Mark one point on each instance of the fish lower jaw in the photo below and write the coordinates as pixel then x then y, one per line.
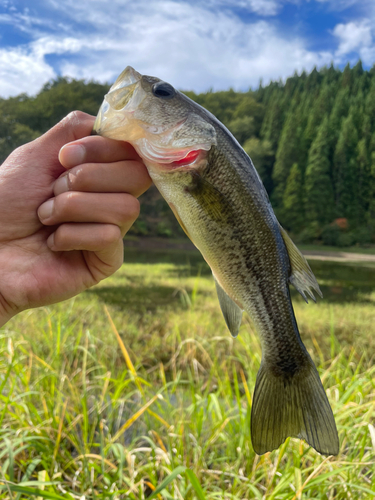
pixel 190 159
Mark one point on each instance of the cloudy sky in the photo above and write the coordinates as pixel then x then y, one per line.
pixel 195 45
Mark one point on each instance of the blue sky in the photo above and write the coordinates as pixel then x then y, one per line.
pixel 195 45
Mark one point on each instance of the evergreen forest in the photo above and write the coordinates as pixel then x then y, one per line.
pixel 311 138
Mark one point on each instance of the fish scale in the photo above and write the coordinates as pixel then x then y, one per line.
pixel 218 198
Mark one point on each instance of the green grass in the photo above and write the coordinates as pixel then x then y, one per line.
pixel 137 384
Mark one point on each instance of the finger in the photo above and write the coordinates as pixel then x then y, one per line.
pixel 91 237
pixel 96 149
pixel 75 125
pixel 102 245
pixel 126 176
pixel 120 209
pixel 45 149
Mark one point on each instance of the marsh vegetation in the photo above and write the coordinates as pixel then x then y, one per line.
pixel 105 395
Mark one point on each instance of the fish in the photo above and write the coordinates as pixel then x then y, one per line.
pixel 218 198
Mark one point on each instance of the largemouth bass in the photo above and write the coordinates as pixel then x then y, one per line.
pixel 218 198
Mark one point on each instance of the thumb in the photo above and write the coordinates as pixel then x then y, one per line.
pixel 75 125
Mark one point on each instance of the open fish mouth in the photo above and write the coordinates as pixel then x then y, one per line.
pixel 125 95
pixel 128 77
pixel 122 114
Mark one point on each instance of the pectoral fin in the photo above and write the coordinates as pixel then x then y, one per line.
pixel 231 311
pixel 211 200
pixel 301 275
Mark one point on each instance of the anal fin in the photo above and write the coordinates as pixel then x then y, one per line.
pixel 301 275
pixel 231 311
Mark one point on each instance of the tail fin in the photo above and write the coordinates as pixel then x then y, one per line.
pixel 292 405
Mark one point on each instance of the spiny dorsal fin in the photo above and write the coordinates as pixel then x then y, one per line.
pixel 231 311
pixel 301 275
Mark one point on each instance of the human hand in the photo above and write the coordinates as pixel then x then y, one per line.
pixel 66 201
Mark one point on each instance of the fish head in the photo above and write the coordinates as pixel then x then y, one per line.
pixel 166 128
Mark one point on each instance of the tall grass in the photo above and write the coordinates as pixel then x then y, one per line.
pixel 137 385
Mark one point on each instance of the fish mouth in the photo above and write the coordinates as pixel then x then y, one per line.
pixel 125 95
pixel 163 144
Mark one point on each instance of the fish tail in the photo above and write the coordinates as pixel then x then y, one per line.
pixel 293 405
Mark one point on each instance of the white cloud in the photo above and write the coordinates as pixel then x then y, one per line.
pixel 342 4
pixel 352 36
pixel 356 39
pixel 22 71
pixel 189 44
pixel 261 7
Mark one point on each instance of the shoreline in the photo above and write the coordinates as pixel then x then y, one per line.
pixel 185 245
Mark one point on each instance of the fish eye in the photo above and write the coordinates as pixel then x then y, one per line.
pixel 163 90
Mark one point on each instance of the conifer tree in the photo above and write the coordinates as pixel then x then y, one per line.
pixel 288 152
pixel 292 214
pixel 363 174
pixel 273 121
pixel 347 77
pixel 370 102
pixel 316 111
pixel 345 171
pixel 371 208
pixel 340 110
pixel 319 198
pixel 261 155
pixel 284 126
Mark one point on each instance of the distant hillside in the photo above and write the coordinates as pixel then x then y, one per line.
pixel 312 140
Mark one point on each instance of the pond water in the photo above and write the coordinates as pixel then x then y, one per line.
pixel 339 281
pixel 345 281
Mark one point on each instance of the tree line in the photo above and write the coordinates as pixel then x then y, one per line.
pixel 311 138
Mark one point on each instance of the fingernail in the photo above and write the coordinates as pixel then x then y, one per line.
pixel 72 154
pixel 61 185
pixel 45 210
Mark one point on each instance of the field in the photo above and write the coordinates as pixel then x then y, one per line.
pixel 137 384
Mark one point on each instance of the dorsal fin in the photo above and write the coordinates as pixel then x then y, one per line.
pixel 301 275
pixel 231 311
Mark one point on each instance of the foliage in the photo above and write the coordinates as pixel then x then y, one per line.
pixel 153 397
pixel 318 182
pixel 293 200
pixel 24 118
pixel 323 121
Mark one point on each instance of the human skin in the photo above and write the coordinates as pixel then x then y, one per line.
pixel 66 201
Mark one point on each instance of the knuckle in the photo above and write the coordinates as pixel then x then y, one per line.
pixel 110 234
pixel 75 117
pixel 64 204
pixel 60 237
pixel 133 208
pixel 73 122
pixel 118 262
pixel 79 179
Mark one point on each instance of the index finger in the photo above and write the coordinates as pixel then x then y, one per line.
pixel 96 149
